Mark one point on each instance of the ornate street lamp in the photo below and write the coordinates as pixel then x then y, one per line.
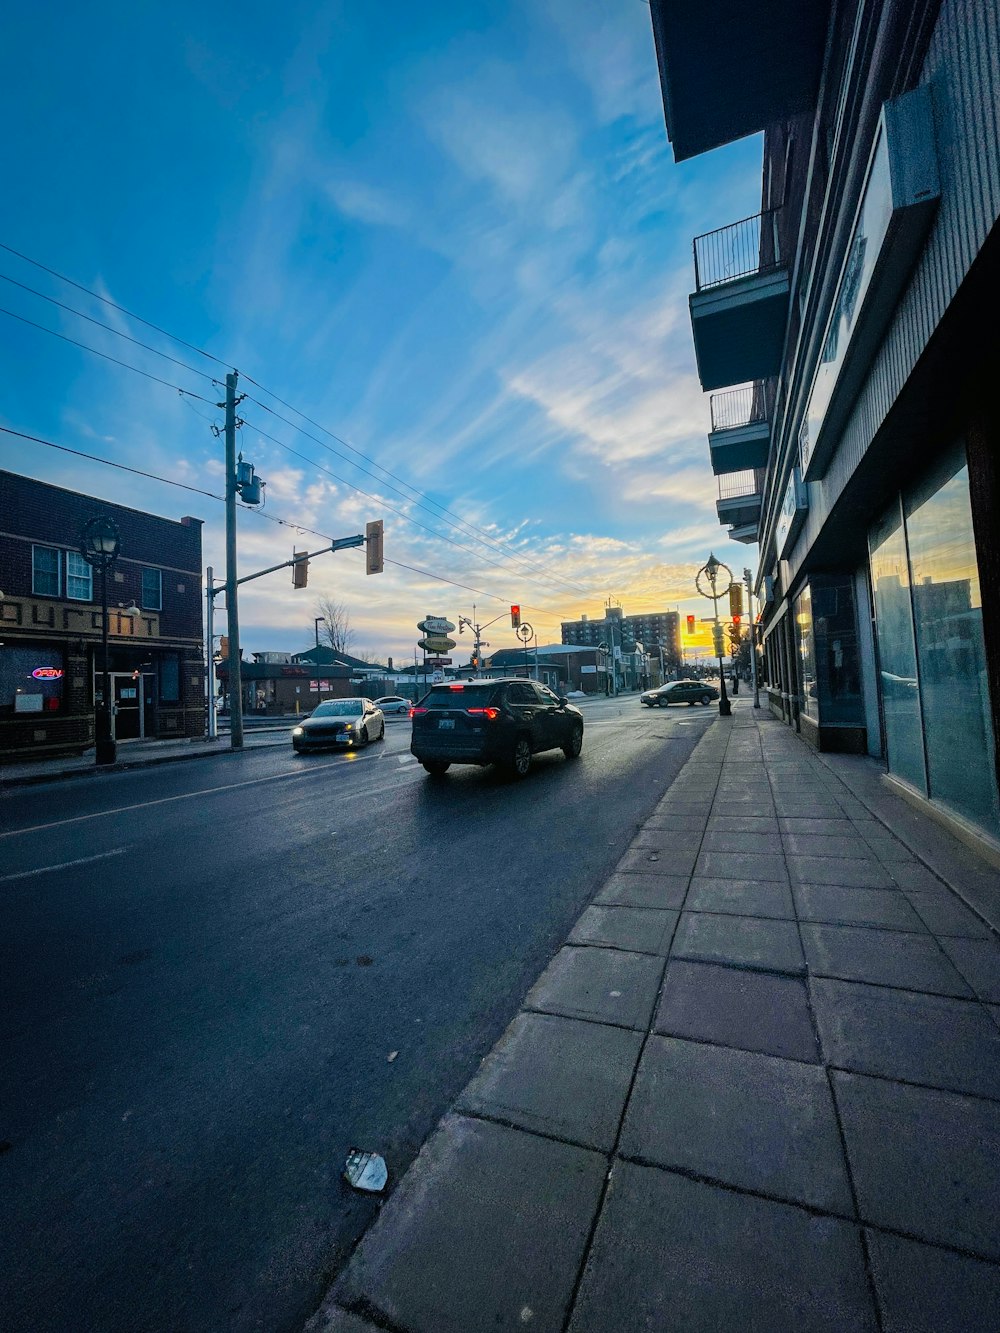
pixel 100 545
pixel 712 571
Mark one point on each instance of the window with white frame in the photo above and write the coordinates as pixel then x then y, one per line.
pixel 45 571
pixel 79 578
pixel 152 589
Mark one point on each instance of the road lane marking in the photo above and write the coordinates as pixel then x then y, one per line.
pixel 63 865
pixel 167 800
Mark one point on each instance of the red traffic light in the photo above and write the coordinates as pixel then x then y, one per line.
pixel 690 621
pixel 515 617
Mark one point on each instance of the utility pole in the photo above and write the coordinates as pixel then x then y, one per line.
pixel 232 611
pixel 753 639
pixel 210 635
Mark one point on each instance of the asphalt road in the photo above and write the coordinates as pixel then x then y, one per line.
pixel 205 971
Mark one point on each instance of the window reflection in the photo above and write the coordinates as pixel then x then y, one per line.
pixel 948 620
pixel 808 700
pixel 897 653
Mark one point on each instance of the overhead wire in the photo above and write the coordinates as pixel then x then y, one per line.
pixel 109 327
pixel 472 530
pixel 492 564
pixel 448 515
pixel 273 518
pixel 105 355
pixel 113 304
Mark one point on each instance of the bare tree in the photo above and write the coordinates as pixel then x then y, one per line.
pixel 336 627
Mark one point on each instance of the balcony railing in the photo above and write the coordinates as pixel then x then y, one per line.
pixel 739 485
pixel 745 248
pixel 740 407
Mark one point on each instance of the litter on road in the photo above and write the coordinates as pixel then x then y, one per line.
pixel 366 1171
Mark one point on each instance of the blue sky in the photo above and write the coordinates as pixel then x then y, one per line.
pixel 452 234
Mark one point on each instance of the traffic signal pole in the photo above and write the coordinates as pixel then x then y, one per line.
pixel 235 681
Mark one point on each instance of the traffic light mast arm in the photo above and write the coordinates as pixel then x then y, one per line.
pixel 341 544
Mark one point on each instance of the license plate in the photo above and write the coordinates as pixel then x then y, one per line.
pixel 344 740
pixel 446 724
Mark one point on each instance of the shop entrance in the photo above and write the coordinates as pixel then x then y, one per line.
pixel 126 695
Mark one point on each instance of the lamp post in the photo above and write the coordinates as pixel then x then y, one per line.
pixel 711 571
pixel 99 546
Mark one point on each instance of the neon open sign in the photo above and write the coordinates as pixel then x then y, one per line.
pixel 47 673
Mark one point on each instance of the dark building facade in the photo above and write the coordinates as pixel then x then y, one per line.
pixel 849 335
pixel 50 618
pixel 658 629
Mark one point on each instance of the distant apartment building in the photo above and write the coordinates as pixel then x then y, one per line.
pixel 848 335
pixel 51 623
pixel 655 630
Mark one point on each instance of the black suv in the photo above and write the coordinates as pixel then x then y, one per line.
pixel 492 722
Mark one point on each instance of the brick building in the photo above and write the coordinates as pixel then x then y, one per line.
pixel 50 618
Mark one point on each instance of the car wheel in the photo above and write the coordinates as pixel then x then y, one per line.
pixel 437 768
pixel 364 736
pixel 706 699
pixel 574 745
pixel 664 703
pixel 521 758
pixel 381 735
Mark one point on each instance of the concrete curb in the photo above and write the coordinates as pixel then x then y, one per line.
pixel 120 766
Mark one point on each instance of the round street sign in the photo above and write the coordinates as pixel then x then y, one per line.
pixel 436 643
pixel 435 625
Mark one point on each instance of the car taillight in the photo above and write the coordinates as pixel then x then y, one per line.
pixel 415 711
pixel 491 713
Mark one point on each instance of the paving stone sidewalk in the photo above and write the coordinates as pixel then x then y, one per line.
pixel 758 1088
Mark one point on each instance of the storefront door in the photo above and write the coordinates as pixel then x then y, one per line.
pixel 126 692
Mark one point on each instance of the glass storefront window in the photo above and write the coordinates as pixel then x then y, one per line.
pixel 31 679
pixel 838 668
pixel 948 617
pixel 805 638
pixel 897 652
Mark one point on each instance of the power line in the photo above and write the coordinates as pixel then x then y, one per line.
pixel 471 528
pixel 113 304
pixel 106 356
pixel 109 327
pixel 492 564
pixel 273 518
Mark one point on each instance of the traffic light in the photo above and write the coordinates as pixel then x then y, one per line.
pixel 736 625
pixel 736 599
pixel 690 622
pixel 300 569
pixel 223 647
pixel 717 641
pixel 373 547
pixel 515 617
pixel 474 661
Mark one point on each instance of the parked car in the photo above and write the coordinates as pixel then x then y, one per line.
pixel 339 724
pixel 679 692
pixel 493 722
pixel 394 703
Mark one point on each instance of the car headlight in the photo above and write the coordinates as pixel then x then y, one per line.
pixel 349 727
pixel 298 731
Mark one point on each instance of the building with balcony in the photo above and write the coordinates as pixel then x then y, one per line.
pixel 847 334
pixel 51 623
pixel 656 631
